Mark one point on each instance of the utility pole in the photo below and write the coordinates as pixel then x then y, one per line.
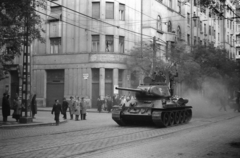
pixel 141 25
pixel 26 82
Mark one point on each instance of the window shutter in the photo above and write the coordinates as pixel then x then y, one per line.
pixel 109 10
pixel 96 10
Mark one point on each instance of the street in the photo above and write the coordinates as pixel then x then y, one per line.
pixel 100 136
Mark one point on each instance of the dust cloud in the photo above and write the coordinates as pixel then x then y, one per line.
pixel 210 100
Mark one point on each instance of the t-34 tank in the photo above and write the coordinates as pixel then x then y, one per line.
pixel 153 102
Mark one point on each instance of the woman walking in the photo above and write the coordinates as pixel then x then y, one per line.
pixel 56 110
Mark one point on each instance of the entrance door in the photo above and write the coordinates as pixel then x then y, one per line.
pixel 55 86
pixel 54 91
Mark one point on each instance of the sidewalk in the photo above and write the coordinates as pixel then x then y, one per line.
pixel 41 119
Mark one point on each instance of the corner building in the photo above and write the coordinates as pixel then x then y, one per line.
pixel 83 56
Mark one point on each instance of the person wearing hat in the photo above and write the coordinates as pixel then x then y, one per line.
pixel 57 109
pixel 64 108
pixel 83 107
pixel 77 108
pixel 71 107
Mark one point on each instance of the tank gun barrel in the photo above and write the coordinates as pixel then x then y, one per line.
pixel 129 89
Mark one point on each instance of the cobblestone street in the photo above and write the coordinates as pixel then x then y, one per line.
pixel 80 138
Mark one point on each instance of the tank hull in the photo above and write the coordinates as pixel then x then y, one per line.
pixel 159 117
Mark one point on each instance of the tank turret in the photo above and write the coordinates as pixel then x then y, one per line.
pixel 157 91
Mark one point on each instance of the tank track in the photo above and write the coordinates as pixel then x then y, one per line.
pixel 171 117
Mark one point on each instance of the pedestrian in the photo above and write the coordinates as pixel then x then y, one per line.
pixel 83 109
pixel 109 104
pixel 71 107
pixel 77 108
pixel 5 107
pixel 56 110
pixel 34 106
pixel 17 109
pixel 64 108
pixel 99 104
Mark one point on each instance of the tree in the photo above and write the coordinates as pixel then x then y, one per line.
pixel 204 62
pixel 15 16
pixel 207 3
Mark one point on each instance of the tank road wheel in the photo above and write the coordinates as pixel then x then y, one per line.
pixel 171 118
pixel 184 116
pixel 188 115
pixel 181 117
pixel 176 117
pixel 165 119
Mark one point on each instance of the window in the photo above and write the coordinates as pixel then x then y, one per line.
pixel 195 3
pixel 121 12
pixel 200 26
pixel 179 33
pixel 188 18
pixel 121 44
pixel 96 10
pixel 109 43
pixel 209 30
pixel 188 39
pixel 170 3
pixel 179 6
pixel 95 43
pixel 195 40
pixel 205 29
pixel 198 40
pixel 159 23
pixel 169 26
pixel 109 10
pixel 55 45
pixel 56 14
pixel 195 22
pixel 201 42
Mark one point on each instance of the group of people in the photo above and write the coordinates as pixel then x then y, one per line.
pixel 108 102
pixel 76 107
pixel 17 106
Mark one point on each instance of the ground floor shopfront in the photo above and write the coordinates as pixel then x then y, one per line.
pixel 83 75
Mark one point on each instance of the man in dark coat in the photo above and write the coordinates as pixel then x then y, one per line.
pixel 5 107
pixel 56 110
pixel 34 106
pixel 99 104
pixel 64 108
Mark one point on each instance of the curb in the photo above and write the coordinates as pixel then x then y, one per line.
pixel 90 111
pixel 30 125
